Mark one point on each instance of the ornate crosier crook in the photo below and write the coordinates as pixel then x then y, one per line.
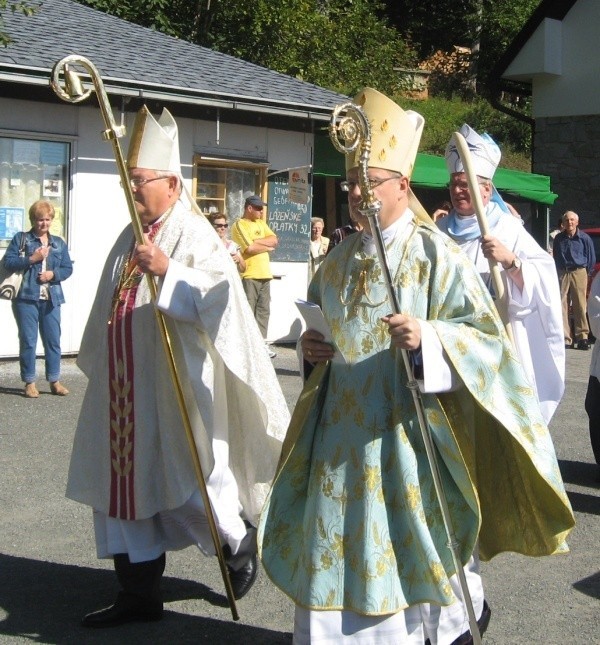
pixel 355 130
pixel 349 122
pixel 73 92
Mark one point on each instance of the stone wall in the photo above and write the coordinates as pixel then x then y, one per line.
pixel 567 149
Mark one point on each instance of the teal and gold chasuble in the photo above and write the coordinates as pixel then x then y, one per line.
pixel 353 521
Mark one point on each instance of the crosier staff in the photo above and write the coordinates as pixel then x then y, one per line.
pixel 349 122
pixel 73 92
pixel 465 157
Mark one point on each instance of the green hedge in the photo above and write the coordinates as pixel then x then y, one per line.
pixel 443 117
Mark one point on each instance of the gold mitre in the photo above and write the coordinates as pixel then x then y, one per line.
pixel 395 133
pixel 395 138
pixel 154 144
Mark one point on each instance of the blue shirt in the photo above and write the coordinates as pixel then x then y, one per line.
pixel 574 252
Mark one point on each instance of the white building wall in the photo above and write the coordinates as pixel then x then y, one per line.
pixel 98 211
pixel 569 86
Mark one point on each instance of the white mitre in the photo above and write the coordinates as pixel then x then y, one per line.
pixel 154 144
pixel 485 153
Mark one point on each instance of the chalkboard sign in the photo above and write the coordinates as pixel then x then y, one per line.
pixel 289 221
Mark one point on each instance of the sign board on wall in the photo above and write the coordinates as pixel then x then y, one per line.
pixel 12 221
pixel 290 221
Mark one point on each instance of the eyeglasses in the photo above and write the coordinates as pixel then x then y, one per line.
pixel 221 225
pixel 463 185
pixel 136 183
pixel 349 186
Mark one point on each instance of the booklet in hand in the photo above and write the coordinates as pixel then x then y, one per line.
pixel 314 319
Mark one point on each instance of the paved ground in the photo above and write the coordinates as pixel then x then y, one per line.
pixel 49 576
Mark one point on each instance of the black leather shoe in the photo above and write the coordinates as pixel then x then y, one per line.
pixel 243 579
pixel 125 610
pixel 583 344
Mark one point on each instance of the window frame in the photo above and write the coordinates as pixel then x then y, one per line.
pixel 52 177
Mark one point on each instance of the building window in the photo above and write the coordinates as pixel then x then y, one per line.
pixel 32 169
pixel 222 186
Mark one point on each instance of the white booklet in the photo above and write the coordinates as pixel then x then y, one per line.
pixel 314 319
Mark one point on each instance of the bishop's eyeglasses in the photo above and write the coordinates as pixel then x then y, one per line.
pixel 349 186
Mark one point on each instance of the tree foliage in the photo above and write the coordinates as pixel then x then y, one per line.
pixel 336 44
pixel 347 44
pixel 339 44
pixel 24 6
pixel 490 25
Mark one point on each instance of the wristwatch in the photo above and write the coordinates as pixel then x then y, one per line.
pixel 515 265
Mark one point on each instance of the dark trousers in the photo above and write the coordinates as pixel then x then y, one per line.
pixel 258 293
pixel 592 407
pixel 140 581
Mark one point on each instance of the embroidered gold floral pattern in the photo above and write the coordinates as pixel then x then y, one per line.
pixel 358 526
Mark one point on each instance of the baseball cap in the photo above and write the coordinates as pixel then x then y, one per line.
pixel 254 200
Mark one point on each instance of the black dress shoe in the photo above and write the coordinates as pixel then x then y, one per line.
pixel 127 609
pixel 243 579
pixel 583 344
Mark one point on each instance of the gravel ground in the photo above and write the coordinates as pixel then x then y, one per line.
pixel 50 576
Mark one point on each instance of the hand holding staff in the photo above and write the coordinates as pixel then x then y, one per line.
pixel 73 93
pixel 465 157
pixel 355 130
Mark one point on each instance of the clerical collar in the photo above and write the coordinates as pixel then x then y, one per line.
pixel 389 233
pixel 157 223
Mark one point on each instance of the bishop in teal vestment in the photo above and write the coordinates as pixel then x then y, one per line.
pixel 353 521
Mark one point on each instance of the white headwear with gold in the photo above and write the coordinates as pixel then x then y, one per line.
pixel 395 138
pixel 485 153
pixel 154 144
pixel 395 133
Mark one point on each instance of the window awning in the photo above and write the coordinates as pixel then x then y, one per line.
pixel 431 172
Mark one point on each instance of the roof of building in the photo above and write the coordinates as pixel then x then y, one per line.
pixel 140 62
pixel 553 9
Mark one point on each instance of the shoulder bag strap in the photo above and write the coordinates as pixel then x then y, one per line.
pixel 238 228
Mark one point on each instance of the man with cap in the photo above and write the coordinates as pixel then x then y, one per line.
pixel 532 298
pixel 352 529
pixel 131 461
pixel 256 240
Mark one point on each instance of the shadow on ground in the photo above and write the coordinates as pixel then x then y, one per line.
pixel 579 473
pixel 44 602
pixel 590 585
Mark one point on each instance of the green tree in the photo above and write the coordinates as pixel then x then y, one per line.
pixel 347 44
pixel 339 44
pixel 488 26
pixel 336 44
pixel 25 7
pixel 173 17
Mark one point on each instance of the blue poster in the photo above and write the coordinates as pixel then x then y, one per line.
pixel 11 221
